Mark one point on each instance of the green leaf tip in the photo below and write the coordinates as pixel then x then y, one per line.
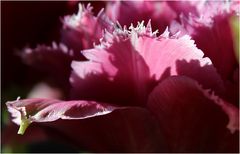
pixel 235 26
pixel 23 126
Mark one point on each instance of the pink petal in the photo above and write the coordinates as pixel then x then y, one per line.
pixel 213 24
pixel 192 119
pixel 114 73
pixel 125 129
pixel 178 56
pixel 235 6
pixel 82 30
pixel 219 46
pixel 47 110
pixel 127 64
pixel 117 74
pixel 24 112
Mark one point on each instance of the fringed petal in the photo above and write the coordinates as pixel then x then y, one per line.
pixel 127 63
pixel 82 30
pixel 192 119
pixel 113 74
pixel 212 34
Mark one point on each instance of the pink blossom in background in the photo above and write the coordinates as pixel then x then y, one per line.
pixel 124 87
pixel 215 25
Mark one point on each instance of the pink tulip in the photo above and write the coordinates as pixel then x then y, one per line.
pixel 133 90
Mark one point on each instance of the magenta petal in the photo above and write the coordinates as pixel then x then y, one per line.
pixel 232 92
pixel 82 30
pixel 114 74
pixel 174 55
pixel 126 65
pixel 213 24
pixel 126 129
pixel 192 119
pixel 219 46
pixel 46 110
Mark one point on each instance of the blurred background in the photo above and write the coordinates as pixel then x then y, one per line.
pixel 28 23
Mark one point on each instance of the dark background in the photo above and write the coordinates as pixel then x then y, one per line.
pixel 24 24
pixel 28 24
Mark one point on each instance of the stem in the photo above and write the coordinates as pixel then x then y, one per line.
pixel 23 126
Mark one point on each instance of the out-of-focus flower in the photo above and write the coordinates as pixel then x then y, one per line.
pixel 135 92
pixel 80 31
pixel 43 90
pixel 127 12
pixel 211 29
pixel 53 60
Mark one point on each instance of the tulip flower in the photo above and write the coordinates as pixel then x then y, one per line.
pixel 132 90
